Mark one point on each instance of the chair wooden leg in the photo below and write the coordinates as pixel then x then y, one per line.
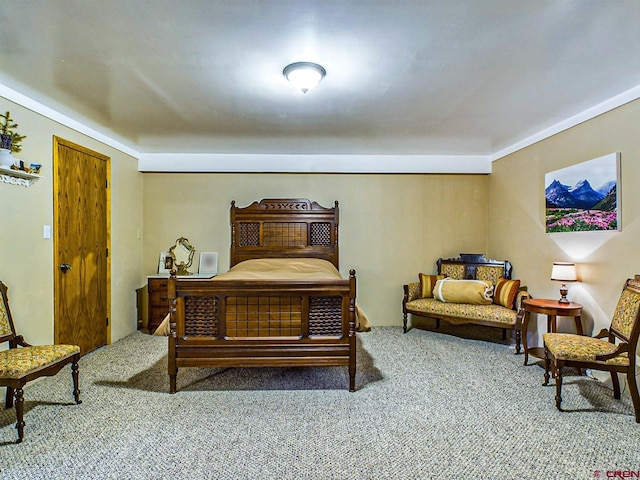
pixel 615 382
pixel 558 372
pixel 546 367
pixel 633 391
pixel 19 396
pixel 8 403
pixel 404 322
pixel 74 375
pixel 518 340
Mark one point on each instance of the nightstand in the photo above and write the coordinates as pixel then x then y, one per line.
pixel 157 286
pixel 552 309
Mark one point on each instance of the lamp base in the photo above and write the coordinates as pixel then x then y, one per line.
pixel 563 294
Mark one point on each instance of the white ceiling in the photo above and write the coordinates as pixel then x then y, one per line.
pixel 422 77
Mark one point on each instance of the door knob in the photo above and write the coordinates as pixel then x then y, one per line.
pixel 64 267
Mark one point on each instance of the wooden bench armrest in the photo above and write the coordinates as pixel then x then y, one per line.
pixel 411 292
pixel 522 295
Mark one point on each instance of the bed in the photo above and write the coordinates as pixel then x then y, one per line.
pixel 282 303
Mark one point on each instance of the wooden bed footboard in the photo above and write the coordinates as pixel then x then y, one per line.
pixel 252 323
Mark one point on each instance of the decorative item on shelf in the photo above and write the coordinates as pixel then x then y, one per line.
pixel 564 272
pixel 6 159
pixel 9 138
pixel 9 141
pixel 5 141
pixel 182 253
pixel 19 165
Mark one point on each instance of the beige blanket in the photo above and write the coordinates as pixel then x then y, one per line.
pixel 281 269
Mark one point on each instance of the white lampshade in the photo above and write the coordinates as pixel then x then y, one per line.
pixel 564 272
pixel 304 75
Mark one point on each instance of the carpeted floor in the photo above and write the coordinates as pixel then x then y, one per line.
pixel 429 406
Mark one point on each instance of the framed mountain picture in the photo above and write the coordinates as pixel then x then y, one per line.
pixel 584 197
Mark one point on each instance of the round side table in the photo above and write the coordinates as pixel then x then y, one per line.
pixel 552 309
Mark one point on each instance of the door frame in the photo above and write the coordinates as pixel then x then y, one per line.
pixel 57 141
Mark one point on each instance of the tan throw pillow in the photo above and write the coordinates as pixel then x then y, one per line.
pixel 505 292
pixel 476 292
pixel 427 282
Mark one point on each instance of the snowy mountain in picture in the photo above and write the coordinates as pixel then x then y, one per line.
pixel 558 195
pixel 606 188
pixel 584 194
pixel 573 205
pixel 581 195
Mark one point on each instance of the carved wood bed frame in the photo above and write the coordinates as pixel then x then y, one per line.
pixel 259 323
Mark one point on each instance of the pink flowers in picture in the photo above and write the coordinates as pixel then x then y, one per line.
pixel 584 197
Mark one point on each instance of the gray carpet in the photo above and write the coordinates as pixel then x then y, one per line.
pixel 428 406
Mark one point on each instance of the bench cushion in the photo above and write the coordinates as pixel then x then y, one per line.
pixel 566 346
pixel 463 311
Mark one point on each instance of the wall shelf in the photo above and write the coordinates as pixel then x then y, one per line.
pixel 18 177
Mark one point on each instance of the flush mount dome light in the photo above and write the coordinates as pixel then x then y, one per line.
pixel 304 75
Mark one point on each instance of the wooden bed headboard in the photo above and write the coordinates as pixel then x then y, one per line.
pixel 284 227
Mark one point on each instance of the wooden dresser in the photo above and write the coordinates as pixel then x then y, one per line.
pixel 158 301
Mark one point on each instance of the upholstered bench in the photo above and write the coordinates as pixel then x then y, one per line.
pixel 491 297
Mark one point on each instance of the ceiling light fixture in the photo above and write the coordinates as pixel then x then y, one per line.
pixel 304 75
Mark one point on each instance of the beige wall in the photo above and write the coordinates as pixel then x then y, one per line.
pixel 516 216
pixel 26 259
pixel 391 226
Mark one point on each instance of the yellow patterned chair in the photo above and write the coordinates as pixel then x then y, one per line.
pixel 503 309
pixel 21 365
pixel 612 350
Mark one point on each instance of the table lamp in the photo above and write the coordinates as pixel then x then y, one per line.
pixel 563 272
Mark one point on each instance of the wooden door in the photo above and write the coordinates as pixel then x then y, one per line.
pixel 81 242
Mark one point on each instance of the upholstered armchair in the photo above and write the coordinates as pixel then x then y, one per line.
pixel 612 350
pixel 22 362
